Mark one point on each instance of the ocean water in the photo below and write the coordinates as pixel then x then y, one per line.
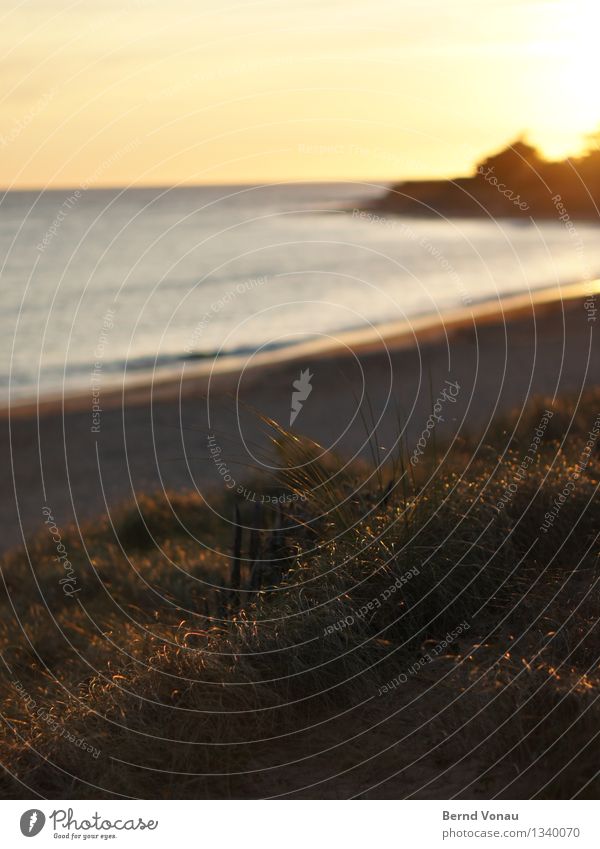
pixel 97 285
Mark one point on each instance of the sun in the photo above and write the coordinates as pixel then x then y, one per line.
pixel 570 102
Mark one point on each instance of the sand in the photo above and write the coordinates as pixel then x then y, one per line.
pixel 473 363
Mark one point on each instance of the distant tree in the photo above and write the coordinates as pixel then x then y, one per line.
pixel 588 166
pixel 592 143
pixel 515 163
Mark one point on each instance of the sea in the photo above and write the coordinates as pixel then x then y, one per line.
pixel 122 284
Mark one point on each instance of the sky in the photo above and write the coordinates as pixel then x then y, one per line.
pixel 149 92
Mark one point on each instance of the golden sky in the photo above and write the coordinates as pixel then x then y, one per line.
pixel 150 92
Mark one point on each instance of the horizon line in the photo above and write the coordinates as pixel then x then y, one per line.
pixel 72 187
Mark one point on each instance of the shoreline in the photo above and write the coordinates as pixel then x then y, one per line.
pixel 80 464
pixel 175 382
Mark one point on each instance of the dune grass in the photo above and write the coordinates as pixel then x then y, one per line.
pixel 176 673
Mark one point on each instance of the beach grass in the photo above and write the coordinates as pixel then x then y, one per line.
pixel 415 629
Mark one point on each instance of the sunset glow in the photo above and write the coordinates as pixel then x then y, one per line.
pixel 260 91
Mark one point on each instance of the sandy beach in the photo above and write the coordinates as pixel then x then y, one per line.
pixel 300 422
pixel 78 461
